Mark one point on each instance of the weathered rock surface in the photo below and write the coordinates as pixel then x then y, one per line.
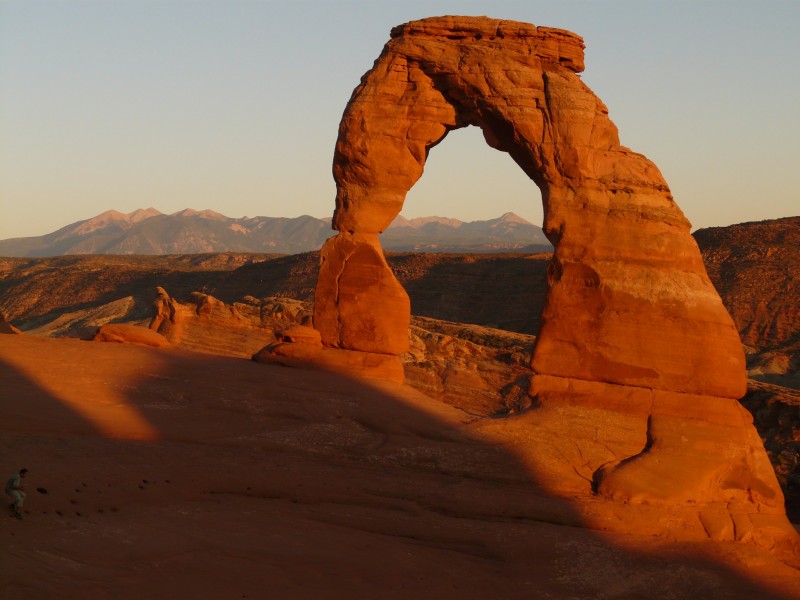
pixel 211 326
pixel 637 365
pixel 480 370
pixel 504 291
pixel 335 360
pixel 26 285
pixel 355 290
pixel 625 263
pixel 309 485
pixel 452 287
pixel 84 322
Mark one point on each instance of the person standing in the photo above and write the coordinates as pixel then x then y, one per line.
pixel 14 488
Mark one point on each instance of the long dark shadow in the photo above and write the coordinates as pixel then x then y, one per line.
pixel 264 478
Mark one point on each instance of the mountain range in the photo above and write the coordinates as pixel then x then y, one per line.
pixel 150 232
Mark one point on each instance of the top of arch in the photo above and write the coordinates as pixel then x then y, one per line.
pixel 549 43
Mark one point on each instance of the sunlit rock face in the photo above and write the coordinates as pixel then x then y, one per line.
pixel 637 364
pixel 629 301
pixel 208 325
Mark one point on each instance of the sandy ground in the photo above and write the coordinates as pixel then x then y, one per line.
pixel 165 474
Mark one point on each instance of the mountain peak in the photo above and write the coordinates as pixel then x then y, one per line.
pixel 107 216
pixel 140 214
pixel 105 219
pixel 204 214
pixel 420 221
pixel 400 221
pixel 190 231
pixel 186 212
pixel 511 217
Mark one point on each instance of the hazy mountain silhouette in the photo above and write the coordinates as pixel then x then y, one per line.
pixel 441 234
pixel 148 231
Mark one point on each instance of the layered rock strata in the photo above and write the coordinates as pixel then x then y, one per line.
pixel 637 366
pixel 210 326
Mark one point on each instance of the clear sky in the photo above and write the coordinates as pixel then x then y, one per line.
pixel 234 106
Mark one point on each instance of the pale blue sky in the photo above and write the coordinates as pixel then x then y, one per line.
pixel 234 106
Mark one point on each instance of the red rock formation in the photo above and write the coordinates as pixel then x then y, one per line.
pixel 123 333
pixel 477 369
pixel 210 326
pixel 625 264
pixel 637 363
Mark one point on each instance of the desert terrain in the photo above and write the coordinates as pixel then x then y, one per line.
pixel 168 471
pixel 194 426
pixel 162 472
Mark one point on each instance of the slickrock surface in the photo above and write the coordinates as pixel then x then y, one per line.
pixel 756 269
pixel 171 474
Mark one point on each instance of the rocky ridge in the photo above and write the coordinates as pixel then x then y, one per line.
pixel 504 291
pixel 756 269
pixel 149 232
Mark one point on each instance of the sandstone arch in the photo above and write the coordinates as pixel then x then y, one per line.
pixel 629 303
pixel 636 352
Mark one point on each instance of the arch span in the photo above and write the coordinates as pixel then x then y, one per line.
pixel 629 300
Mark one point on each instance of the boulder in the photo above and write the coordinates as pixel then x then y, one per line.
pixel 123 333
pixel 6 327
pixel 300 334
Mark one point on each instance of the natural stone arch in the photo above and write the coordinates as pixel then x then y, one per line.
pixel 629 301
pixel 637 365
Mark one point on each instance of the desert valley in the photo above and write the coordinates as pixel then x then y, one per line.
pixel 607 407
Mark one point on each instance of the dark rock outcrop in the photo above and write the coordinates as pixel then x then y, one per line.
pixel 756 270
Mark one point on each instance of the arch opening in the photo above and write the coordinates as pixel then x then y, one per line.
pixel 462 172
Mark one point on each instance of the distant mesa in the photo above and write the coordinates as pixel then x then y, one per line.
pixel 188 231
